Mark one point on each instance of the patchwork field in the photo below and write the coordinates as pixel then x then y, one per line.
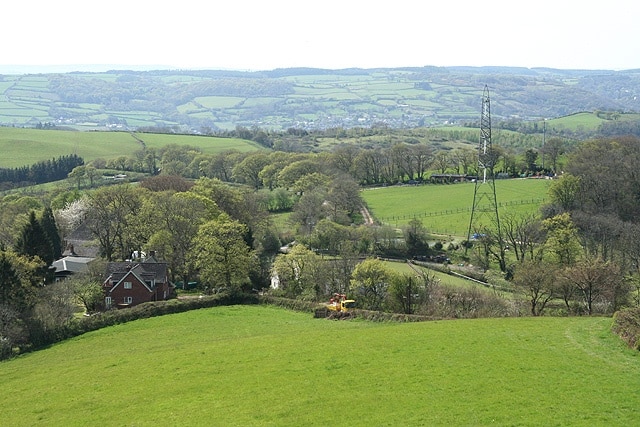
pixel 256 365
pixel 313 98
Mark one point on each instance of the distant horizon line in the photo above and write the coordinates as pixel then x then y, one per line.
pixel 98 68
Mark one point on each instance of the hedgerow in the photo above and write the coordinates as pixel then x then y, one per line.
pixel 626 324
pixel 40 337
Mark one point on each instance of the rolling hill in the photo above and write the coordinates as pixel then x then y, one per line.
pixel 22 147
pixel 258 365
pixel 214 100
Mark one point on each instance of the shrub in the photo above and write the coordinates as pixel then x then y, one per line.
pixel 626 324
pixel 289 303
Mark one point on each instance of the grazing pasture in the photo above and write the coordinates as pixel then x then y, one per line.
pixel 23 147
pixel 257 365
pixel 446 208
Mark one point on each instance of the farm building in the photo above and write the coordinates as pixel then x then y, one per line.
pixel 449 177
pixel 69 265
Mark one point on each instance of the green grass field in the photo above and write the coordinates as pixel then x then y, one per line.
pixel 23 147
pixel 575 121
pixel 442 278
pixel 255 366
pixel 446 209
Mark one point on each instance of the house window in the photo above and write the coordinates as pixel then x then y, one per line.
pixel 128 300
pixel 127 285
pixel 107 302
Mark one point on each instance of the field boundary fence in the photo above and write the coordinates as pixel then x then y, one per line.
pixel 396 218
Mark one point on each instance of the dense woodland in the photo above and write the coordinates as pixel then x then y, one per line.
pixel 211 218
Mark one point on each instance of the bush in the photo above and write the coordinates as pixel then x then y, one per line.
pixel 289 303
pixel 626 324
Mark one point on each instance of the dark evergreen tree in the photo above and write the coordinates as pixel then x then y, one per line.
pixel 43 171
pixel 34 241
pixel 50 228
pixel 12 293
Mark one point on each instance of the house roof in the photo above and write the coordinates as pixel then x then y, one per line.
pixel 147 271
pixel 83 241
pixel 143 279
pixel 72 264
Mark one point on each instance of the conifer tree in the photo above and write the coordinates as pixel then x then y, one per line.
pixel 50 228
pixel 34 241
pixel 11 292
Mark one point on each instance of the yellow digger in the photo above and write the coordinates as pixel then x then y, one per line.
pixel 338 307
pixel 339 302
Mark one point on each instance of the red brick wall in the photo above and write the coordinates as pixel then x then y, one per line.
pixel 138 292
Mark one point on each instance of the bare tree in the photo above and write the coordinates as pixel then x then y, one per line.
pixel 441 161
pixel 110 211
pixel 369 166
pixel 423 155
pixel 535 280
pixel 594 279
pixel 490 245
pixel 466 159
pixel 524 235
pixel 405 162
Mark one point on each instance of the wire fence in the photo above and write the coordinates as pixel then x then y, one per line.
pixel 397 218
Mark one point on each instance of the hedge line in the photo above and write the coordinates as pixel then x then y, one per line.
pixel 291 304
pixel 382 316
pixel 374 316
pixel 626 324
pixel 41 337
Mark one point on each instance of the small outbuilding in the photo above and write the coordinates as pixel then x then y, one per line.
pixel 70 265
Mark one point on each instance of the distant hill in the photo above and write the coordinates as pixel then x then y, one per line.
pixel 309 98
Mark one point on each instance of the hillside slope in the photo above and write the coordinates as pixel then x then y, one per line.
pixel 256 365
pixel 200 101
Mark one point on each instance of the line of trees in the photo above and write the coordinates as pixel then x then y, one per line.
pixel 376 165
pixel 44 171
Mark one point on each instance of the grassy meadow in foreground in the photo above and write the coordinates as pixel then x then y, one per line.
pixel 256 365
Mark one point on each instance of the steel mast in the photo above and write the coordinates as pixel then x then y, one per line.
pixel 484 212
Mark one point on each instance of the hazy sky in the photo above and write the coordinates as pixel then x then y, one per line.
pixel 267 34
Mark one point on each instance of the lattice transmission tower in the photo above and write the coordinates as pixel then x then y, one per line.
pixel 484 212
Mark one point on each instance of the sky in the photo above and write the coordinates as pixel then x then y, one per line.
pixel 75 35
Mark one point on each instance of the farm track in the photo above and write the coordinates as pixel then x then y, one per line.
pixel 592 344
pixel 368 219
